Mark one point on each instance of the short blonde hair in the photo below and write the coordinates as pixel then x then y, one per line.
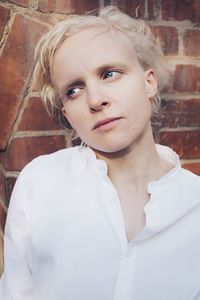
pixel 144 45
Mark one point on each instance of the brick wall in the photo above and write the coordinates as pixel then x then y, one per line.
pixel 26 130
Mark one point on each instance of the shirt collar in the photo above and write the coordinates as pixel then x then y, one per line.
pixel 172 157
pixel 164 151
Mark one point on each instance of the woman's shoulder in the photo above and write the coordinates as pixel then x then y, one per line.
pixel 190 179
pixel 54 162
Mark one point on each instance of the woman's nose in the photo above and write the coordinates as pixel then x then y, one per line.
pixel 97 100
pixel 98 107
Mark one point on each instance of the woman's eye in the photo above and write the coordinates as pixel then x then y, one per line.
pixel 72 92
pixel 110 74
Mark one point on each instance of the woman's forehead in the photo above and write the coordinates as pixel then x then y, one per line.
pixel 87 52
pixel 93 43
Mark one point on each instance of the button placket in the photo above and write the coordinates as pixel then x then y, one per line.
pixel 126 275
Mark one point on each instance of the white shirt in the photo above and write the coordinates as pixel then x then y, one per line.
pixel 65 236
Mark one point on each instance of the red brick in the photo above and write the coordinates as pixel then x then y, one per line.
pixel 17 63
pixel 49 19
pixel 183 79
pixel 52 6
pixel 191 42
pixel 167 38
pixel 4 15
pixel 185 143
pixel 181 10
pixel 135 8
pixel 23 150
pixel 186 79
pixel 177 113
pixel 24 3
pixel 82 6
pixel 2 215
pixel 193 167
pixel 35 117
pixel 68 6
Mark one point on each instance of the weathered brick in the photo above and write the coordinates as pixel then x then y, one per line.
pixel 24 3
pixel 193 167
pixel 185 143
pixel 35 117
pixel 68 6
pixel 23 150
pixel 16 62
pixel 49 19
pixel 191 42
pixel 167 37
pixel 82 6
pixel 4 14
pixel 181 10
pixel 135 8
pixel 53 6
pixel 186 79
pixel 178 113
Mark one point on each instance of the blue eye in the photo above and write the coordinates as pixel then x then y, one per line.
pixel 72 92
pixel 110 74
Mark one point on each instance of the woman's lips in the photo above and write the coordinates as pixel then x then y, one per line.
pixel 106 124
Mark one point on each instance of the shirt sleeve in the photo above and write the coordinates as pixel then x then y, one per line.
pixel 16 281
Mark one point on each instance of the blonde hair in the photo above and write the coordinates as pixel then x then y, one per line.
pixel 110 17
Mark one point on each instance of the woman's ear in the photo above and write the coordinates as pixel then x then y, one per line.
pixel 151 82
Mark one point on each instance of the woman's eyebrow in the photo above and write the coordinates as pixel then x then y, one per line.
pixel 70 84
pixel 114 65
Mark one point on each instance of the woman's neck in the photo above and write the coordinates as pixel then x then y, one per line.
pixel 137 165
